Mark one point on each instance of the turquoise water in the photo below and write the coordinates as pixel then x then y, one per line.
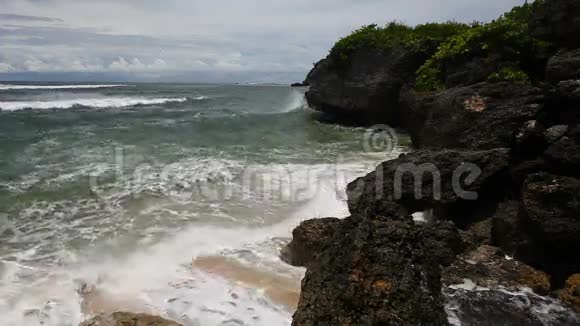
pixel 122 186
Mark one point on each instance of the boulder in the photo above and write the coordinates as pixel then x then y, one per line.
pixel 309 240
pixel 557 21
pixel 488 267
pixel 449 181
pixel 486 288
pixel 563 156
pixel 480 116
pixel 377 271
pixel 552 206
pixel 366 90
pixel 128 319
pixel 564 66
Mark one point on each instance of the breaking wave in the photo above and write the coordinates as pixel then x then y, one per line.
pixel 30 87
pixel 112 102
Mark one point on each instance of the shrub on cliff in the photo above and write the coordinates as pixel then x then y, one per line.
pixel 424 37
pixel 505 44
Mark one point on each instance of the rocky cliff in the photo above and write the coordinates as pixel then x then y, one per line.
pixel 498 133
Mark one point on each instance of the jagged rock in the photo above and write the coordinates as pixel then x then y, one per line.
pixel 552 207
pixel 441 177
pixel 571 292
pixel 128 319
pixel 552 204
pixel 484 287
pixel 366 91
pixel 563 156
pixel 481 116
pixel 309 239
pixel 488 267
pixel 555 133
pixel 478 234
pixel 377 271
pixel 509 230
pixel 558 21
pixel 564 66
pixel 468 305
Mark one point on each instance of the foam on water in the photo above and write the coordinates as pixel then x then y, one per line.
pixel 160 275
pixel 112 102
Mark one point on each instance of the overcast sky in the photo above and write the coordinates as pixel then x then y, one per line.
pixel 158 39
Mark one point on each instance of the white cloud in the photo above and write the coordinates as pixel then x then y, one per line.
pixel 147 36
pixel 135 65
pixel 4 67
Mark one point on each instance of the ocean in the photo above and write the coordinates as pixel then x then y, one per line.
pixel 172 199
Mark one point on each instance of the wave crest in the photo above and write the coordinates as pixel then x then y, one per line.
pixel 39 87
pixel 112 102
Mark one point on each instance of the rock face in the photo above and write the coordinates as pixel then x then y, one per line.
pixel 310 239
pixel 128 319
pixel 564 66
pixel 557 21
pixel 374 272
pixel 497 165
pixel 366 91
pixel 481 116
pixel 393 184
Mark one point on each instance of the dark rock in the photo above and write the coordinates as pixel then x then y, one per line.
pixel 309 239
pixel 443 241
pixel 483 307
pixel 564 66
pixel 374 272
pixel 555 133
pixel 366 91
pixel 128 319
pixel 484 287
pixel 509 231
pixel 481 116
pixel 299 85
pixel 552 211
pixel 552 204
pixel 558 21
pixel 563 156
pixel 488 267
pixel 478 234
pixel 441 178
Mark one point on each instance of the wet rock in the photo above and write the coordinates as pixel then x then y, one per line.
pixel 374 272
pixel 448 181
pixel 366 91
pixel 481 116
pixel 571 292
pixel 309 240
pixel 557 21
pixel 128 319
pixel 488 267
pixel 468 305
pixel 484 287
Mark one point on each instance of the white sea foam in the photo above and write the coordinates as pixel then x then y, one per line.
pixel 40 87
pixel 110 102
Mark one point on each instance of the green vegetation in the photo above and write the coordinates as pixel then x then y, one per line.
pixel 420 38
pixel 507 38
pixel 505 45
pixel 509 74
